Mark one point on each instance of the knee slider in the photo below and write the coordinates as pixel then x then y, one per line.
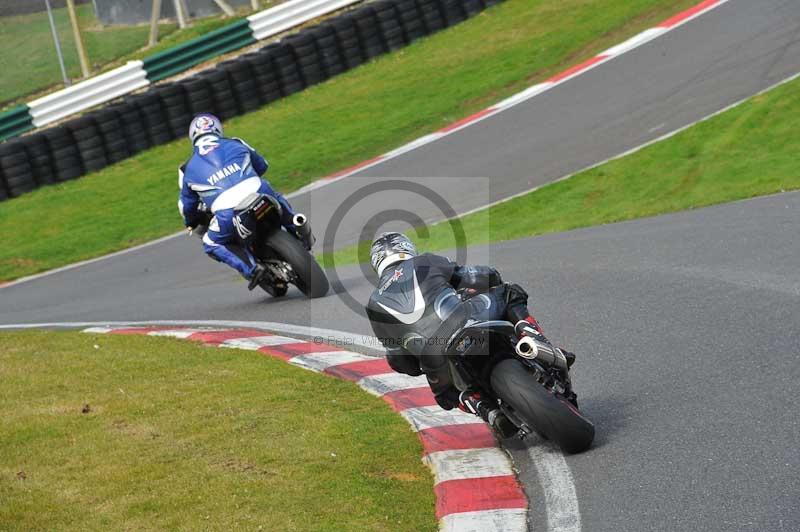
pixel 403 363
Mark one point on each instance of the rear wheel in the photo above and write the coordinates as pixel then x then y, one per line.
pixel 550 415
pixel 311 280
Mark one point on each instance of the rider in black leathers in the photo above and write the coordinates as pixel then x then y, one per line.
pixel 415 309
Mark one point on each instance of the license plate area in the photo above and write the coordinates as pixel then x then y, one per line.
pixel 261 208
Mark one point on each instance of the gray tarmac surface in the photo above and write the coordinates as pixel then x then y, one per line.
pixel 728 54
pixel 687 326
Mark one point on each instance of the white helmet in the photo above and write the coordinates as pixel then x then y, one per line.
pixel 204 124
pixel 390 248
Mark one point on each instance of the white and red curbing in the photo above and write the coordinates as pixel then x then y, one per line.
pixel 476 488
pixel 634 42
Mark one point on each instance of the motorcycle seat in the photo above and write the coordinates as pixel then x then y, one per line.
pixel 478 329
pixel 247 202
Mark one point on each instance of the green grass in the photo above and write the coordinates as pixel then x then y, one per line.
pixel 331 126
pixel 177 436
pixel 198 28
pixel 37 68
pixel 748 151
pixel 106 47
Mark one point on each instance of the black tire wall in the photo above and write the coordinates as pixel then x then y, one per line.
pixel 234 87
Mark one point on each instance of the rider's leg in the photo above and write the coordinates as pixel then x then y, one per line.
pixel 287 211
pixel 510 302
pixel 287 217
pixel 504 302
pixel 524 323
pixel 221 233
pixel 517 308
pixel 490 305
pixel 437 371
pixel 434 364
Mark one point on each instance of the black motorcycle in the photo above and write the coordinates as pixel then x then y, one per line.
pixel 286 257
pixel 526 379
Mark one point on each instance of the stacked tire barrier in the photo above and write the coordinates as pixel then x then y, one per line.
pixel 237 86
pixel 135 75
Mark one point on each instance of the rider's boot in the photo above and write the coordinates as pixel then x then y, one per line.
pixel 517 313
pixel 256 276
pixel 529 327
pixel 471 403
pixel 569 355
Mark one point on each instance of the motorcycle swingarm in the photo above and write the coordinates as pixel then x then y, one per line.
pixel 280 271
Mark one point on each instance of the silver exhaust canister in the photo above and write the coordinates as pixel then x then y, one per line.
pixel 303 229
pixel 548 355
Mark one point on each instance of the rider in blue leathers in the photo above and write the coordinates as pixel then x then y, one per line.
pixel 220 174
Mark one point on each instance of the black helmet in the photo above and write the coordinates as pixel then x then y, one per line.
pixel 390 248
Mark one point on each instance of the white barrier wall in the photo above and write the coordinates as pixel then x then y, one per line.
pixel 290 14
pixel 88 93
pixel 132 76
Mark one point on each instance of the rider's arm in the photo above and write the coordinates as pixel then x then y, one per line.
pixel 478 277
pixel 260 164
pixel 188 201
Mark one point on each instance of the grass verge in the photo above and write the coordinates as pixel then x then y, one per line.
pixel 106 46
pixel 748 151
pixel 136 433
pixel 39 63
pixel 339 123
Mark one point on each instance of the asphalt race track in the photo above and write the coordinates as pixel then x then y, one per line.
pixel 728 54
pixel 688 330
pixel 687 326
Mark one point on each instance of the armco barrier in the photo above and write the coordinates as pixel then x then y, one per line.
pixel 15 121
pixel 186 55
pixel 137 74
pixel 233 87
pixel 88 93
pixel 290 14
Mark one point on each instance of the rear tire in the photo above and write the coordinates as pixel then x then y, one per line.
pixel 550 415
pixel 311 280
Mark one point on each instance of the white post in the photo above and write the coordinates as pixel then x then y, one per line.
pixel 154 16
pixel 58 44
pixel 254 4
pixel 76 31
pixel 186 12
pixel 179 13
pixel 223 5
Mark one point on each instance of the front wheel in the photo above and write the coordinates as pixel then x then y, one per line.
pixel 311 280
pixel 549 414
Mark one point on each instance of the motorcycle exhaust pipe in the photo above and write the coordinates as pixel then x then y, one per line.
pixel 303 229
pixel 531 348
